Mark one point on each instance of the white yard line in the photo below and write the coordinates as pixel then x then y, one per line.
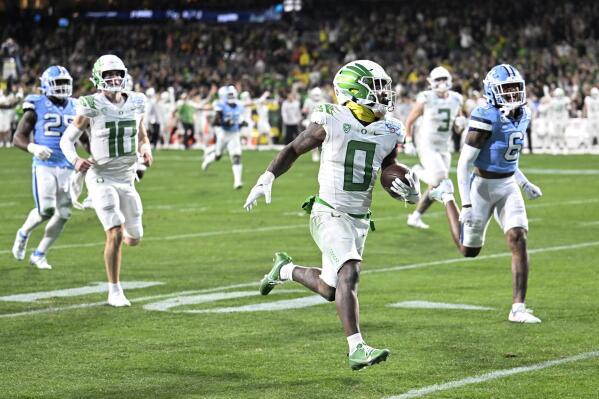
pixel 436 305
pixel 140 299
pixel 255 283
pixel 418 393
pixel 479 258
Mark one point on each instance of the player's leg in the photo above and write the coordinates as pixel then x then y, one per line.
pixel 213 153
pixel 435 168
pixel 234 149
pixel 57 222
pixel 132 209
pixel 468 238
pixel 510 212
pixel 105 198
pixel 44 191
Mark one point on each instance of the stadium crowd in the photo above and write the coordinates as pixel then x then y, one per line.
pixel 553 49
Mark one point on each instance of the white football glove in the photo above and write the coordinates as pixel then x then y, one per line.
pixel 409 192
pixel 532 192
pixel 466 216
pixel 460 123
pixel 39 151
pixel 409 149
pixel 262 188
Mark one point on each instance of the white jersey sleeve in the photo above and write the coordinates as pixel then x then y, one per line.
pixel 86 106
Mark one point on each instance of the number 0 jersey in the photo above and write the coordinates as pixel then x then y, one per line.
pixel 52 120
pixel 113 136
pixel 352 155
pixel 438 118
pixel 501 151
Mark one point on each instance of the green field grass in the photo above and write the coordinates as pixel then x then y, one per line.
pixel 199 241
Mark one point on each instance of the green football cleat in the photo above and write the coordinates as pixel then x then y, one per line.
pixel 365 356
pixel 274 276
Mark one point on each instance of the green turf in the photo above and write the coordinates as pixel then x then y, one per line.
pixel 197 237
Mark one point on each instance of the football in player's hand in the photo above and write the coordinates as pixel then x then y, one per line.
pixel 392 172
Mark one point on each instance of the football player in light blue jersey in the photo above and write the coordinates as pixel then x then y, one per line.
pixel 493 144
pixel 228 123
pixel 47 116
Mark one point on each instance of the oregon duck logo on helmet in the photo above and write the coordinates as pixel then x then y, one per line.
pixel 364 82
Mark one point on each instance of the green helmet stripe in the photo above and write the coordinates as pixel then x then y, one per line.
pixel 350 73
pixel 360 69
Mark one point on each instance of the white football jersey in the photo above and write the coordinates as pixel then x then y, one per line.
pixel 558 108
pixel 592 104
pixel 113 133
pixel 438 118
pixel 352 155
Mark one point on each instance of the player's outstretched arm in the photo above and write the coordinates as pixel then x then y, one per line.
pixel 145 149
pixel 532 191
pixel 24 129
pixel 414 114
pixel 307 140
pixel 68 140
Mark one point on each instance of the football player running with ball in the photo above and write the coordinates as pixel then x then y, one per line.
pixel 493 144
pixel 357 141
pixel 47 116
pixel 117 132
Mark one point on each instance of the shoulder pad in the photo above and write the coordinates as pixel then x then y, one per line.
pixel 30 101
pixel 423 96
pixel 458 96
pixel 322 111
pixel 395 126
pixel 482 118
pixel 87 102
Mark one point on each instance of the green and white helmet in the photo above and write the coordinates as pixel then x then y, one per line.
pixel 107 63
pixel 365 82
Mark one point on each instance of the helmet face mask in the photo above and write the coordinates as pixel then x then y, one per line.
pixel 109 74
pixel 57 82
pixel 366 83
pixel 505 87
pixel 231 94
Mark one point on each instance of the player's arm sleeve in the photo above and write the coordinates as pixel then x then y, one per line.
pixel 521 179
pixel 67 142
pixel 467 157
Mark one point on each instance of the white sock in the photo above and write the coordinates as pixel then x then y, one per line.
pixel 53 230
pixel 518 306
pixel 237 169
pixel 114 288
pixel 416 214
pixel 210 156
pixel 33 220
pixel 353 341
pixel 287 271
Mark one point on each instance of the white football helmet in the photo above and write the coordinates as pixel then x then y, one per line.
pixel 558 92
pixel 439 79
pixel 316 94
pixel 105 64
pixel 230 94
pixel 366 83
pixel 594 92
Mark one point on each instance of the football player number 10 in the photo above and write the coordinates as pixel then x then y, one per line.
pixel 116 138
pixel 368 149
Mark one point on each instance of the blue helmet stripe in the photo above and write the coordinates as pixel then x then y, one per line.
pixel 507 70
